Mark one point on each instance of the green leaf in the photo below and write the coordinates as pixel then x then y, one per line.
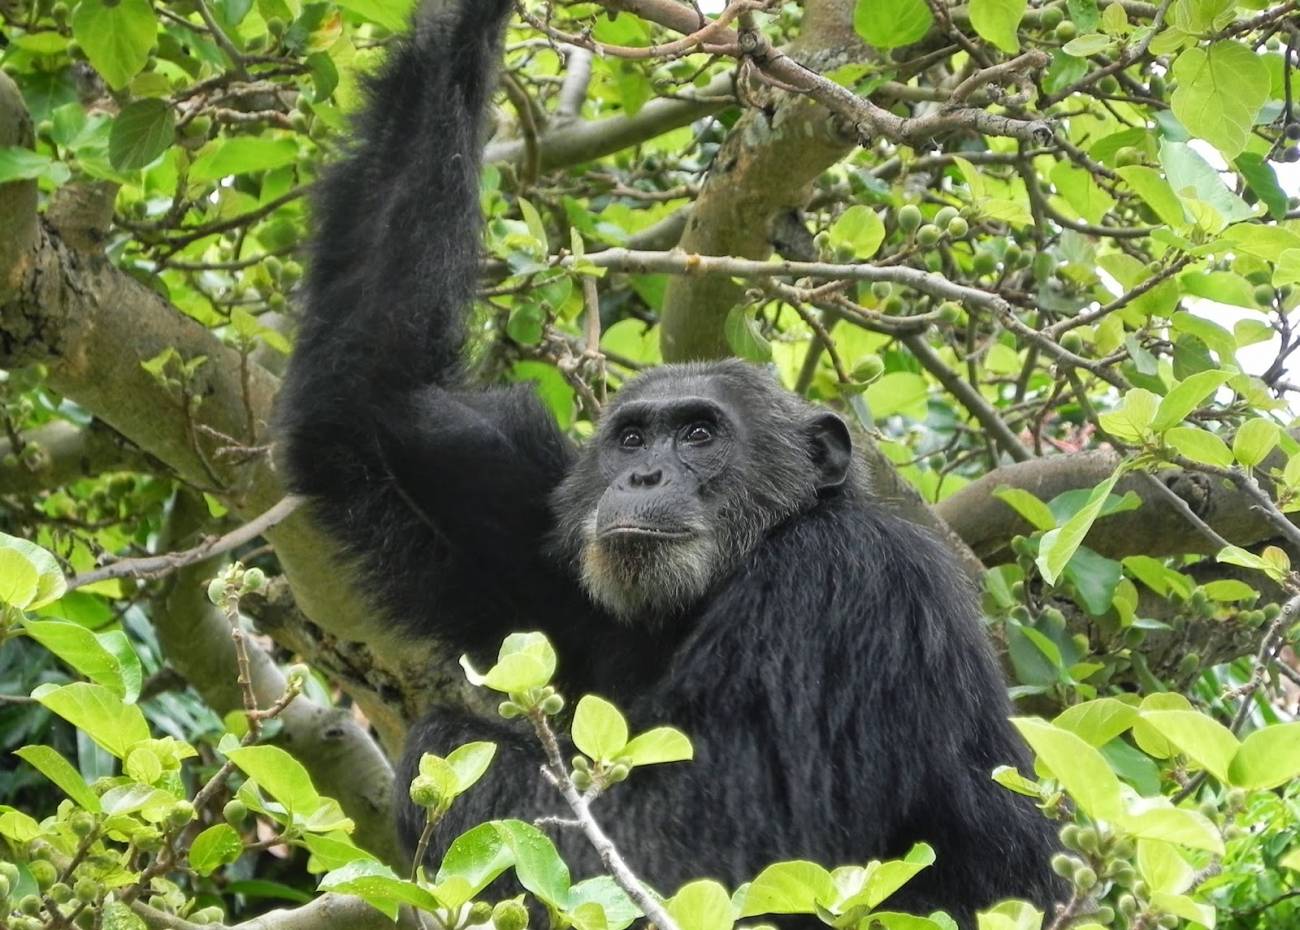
pixel 1199 445
pixel 1157 819
pixel 60 771
pixel 393 15
pixel 602 890
pixel 533 220
pixel 379 886
pixel 1186 397
pixel 469 762
pixel 117 37
pixel 1084 46
pixel 702 905
pixel 858 229
pixel 279 775
pixel 141 132
pixel 241 155
pixel 1132 421
pixel 743 335
pixel 1219 92
pixel 477 857
pixel 1097 722
pixel 888 24
pixel 216 846
pixel 1267 758
pixel 1184 907
pixel 997 21
pixel 599 730
pixel 1202 739
pixel 50 585
pixel 903 392
pixel 1059 545
pixel 1028 506
pixel 1188 173
pixel 538 865
pixel 98 712
pixel 1262 179
pixel 1254 441
pixel 1156 192
pixel 18 579
pixel 19 164
pixel 794 887
pixel 884 878
pixel 525 661
pixel 85 652
pixel 662 744
pixel 1080 768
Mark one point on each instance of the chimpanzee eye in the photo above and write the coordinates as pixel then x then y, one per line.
pixel 697 433
pixel 631 439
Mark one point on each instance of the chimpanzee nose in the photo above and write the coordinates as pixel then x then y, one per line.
pixel 645 479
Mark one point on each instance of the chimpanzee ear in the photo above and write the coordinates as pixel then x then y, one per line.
pixel 832 450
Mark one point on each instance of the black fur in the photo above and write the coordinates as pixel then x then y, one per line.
pixel 834 674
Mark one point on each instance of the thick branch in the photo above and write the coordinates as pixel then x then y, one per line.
pixel 69 452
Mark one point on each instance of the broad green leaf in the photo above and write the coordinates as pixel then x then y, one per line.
pixel 50 585
pixel 141 132
pixel 1189 394
pixel 533 220
pixel 884 878
pixel 1254 441
pixel 619 910
pixel 19 164
pixel 1157 819
pixel 1163 867
pixel 60 771
pixel 1262 179
pixel 98 712
pixel 1097 722
pixel 1132 421
pixel 1080 768
pixel 859 229
pixel 17 826
pixel 393 15
pixel 702 905
pixel 661 744
pixel 744 337
pixel 241 155
pixel 1219 92
pixel 1291 860
pixel 898 392
pixel 1010 915
pixel 1202 739
pixel 1184 907
pixel 1059 545
pixel 1188 173
pixel 997 21
pixel 18 579
pixel 117 37
pixel 1227 590
pixel 1156 192
pixel 379 886
pixel 888 24
pixel 1267 758
pixel 1199 445
pixel 477 856
pixel 280 775
pixel 1084 46
pixel 1028 506
pixel 470 761
pixel 216 846
pixel 526 661
pixel 538 865
pixel 794 887
pixel 81 649
pixel 1081 192
pixel 599 730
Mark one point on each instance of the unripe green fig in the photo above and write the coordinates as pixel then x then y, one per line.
pixel 480 912
pixel 985 262
pixel 235 812
pixel 60 892
pixel 1072 342
pixel 945 216
pixel 43 872
pixel 929 235
pixel 868 369
pixel 1063 865
pixel 1264 295
pixel 425 792
pixel 1065 31
pixel 1051 18
pixel 909 218
pixel 509 915
pixel 958 227
pixel 181 813
pixel 881 289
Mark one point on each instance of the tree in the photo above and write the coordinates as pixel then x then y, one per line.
pixel 1043 255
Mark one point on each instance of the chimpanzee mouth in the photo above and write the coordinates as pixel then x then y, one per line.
pixel 634 532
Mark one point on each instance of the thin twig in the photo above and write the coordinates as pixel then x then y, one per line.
pixel 156 566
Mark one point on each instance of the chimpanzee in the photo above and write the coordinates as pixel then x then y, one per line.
pixel 711 559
